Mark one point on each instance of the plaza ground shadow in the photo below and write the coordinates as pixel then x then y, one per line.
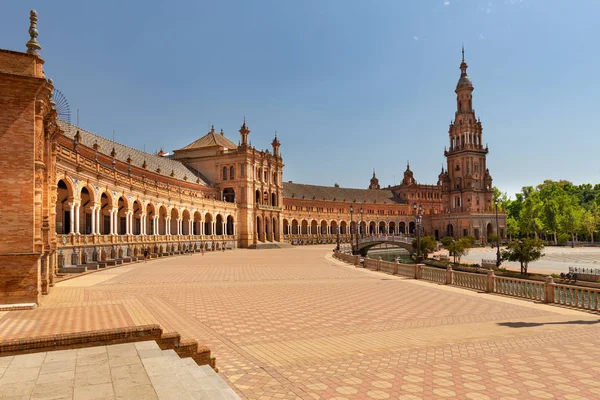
pixel 533 324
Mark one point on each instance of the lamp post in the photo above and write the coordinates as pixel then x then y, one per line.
pixel 361 218
pixel 497 235
pixel 351 232
pixel 419 221
pixel 361 221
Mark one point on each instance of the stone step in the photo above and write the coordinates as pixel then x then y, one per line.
pixel 181 378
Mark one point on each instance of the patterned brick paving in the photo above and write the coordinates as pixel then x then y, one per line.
pixel 295 323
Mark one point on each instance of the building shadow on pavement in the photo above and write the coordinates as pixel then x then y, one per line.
pixel 532 324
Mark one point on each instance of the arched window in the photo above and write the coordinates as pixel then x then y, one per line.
pixel 232 172
pixel 273 199
pixel 224 173
pixel 274 177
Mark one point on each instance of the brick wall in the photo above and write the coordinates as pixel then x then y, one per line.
pixel 21 82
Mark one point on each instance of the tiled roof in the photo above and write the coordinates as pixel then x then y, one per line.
pixel 211 139
pixel 298 190
pixel 137 156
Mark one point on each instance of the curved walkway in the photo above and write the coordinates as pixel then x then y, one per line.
pixel 294 323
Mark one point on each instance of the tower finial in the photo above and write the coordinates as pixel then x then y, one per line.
pixel 33 47
pixel 463 52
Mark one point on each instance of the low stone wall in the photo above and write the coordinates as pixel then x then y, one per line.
pixel 546 292
pixel 172 340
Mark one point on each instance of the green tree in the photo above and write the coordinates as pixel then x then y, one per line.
pixel 512 227
pixel 428 245
pixel 458 248
pixel 523 251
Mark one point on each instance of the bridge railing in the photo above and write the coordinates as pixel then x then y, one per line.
pixel 547 291
pixel 385 238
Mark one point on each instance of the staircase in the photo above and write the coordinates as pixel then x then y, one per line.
pixel 270 245
pixel 181 378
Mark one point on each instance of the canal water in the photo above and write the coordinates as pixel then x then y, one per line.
pixel 390 253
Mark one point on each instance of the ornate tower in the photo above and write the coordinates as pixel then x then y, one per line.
pixel 374 183
pixel 468 179
pixel 408 176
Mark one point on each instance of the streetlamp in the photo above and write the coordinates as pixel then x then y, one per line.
pixel 419 221
pixel 351 232
pixel 337 228
pixel 497 235
pixel 361 221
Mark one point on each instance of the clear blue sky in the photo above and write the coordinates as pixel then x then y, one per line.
pixel 348 85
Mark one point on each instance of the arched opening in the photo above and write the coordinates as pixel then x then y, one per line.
pixel 304 230
pixel 490 231
pixel 196 226
pixel 382 228
pixel 362 228
pixel 273 199
pixel 174 222
pixel 219 225
pixel 208 222
pixel 268 231
pixel 85 211
pixel 372 228
pixel 334 228
pixel 450 230
pixel 392 228
pixel 162 220
pixel 324 228
pixel 344 228
pixel 150 214
pixel 224 173
pixel 266 198
pixel 258 197
pixel 230 224
pixel 313 227
pixel 286 227
pixel 411 227
pixel 295 227
pixel 229 195
pixel 122 209
pixel 232 172
pixel 402 227
pixel 275 225
pixel 106 205
pixel 185 228
pixel 136 229
pixel 63 210
pixel 259 231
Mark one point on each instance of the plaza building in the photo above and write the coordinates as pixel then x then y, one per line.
pixel 70 198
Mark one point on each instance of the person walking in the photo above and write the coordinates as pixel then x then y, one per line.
pixel 202 250
pixel 146 254
pixel 223 247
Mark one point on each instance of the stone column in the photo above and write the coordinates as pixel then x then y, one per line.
pixel 111 213
pixel 76 217
pixel 93 231
pixel 155 225
pixel 97 212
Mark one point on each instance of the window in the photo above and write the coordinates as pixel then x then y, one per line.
pixel 224 173
pixel 232 172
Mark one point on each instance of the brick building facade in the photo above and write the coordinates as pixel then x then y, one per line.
pixel 69 197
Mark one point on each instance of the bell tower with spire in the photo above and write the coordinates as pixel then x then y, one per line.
pixel 469 182
pixel 374 183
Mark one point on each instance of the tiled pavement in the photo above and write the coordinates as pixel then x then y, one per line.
pixel 294 323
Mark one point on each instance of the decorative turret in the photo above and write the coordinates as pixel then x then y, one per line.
pixel 408 176
pixel 244 132
pixel 441 177
pixel 33 47
pixel 374 182
pixel 275 143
